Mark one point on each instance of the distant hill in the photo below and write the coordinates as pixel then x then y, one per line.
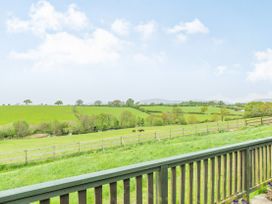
pixel 264 99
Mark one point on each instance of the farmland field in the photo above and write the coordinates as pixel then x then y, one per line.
pixel 111 158
pixel 38 114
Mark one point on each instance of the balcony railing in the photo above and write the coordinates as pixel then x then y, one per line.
pixel 216 175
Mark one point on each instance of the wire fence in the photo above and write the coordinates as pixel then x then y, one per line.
pixel 56 151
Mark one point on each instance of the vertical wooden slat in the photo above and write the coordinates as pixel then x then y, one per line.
pixel 198 181
pixel 206 181
pixel 191 189
pixel 218 179
pixel 126 184
pixel 46 201
pixel 98 195
pixel 235 172
pixel 263 163
pixel 212 179
pixel 82 197
pixel 64 199
pixel 269 160
pixel 173 185
pixel 182 182
pixel 266 161
pixel 259 165
pixel 139 189
pixel 225 177
pixel 230 173
pixel 241 171
pixel 253 167
pixel 113 193
pixel 150 188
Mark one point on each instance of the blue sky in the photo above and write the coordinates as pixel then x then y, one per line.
pixel 182 50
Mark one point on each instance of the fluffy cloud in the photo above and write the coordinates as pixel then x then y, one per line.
pixel 153 59
pixel 220 70
pixel 183 30
pixel 66 49
pixel 121 27
pixel 146 29
pixel 263 66
pixel 43 17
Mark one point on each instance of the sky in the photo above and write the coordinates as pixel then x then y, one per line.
pixel 117 49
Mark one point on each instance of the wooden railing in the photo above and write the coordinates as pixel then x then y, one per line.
pixel 56 151
pixel 216 175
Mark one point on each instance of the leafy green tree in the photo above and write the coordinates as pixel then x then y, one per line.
pixel 27 101
pixel 116 103
pixel 223 113
pixel 79 102
pixel 59 103
pixel 98 103
pixel 130 102
pixel 192 119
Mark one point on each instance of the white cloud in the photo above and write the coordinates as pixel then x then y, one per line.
pixel 183 30
pixel 44 17
pixel 220 70
pixel 146 29
pixel 193 27
pixel 66 49
pixel 121 27
pixel 263 67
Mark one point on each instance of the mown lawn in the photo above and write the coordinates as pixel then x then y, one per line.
pixel 123 156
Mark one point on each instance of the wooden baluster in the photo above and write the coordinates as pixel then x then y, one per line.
pixel 64 199
pixel 198 181
pixel 150 188
pixel 82 197
pixel 230 173
pixel 113 193
pixel 139 190
pixel 218 179
pixel 98 195
pixel 241 171
pixel 206 181
pixel 191 183
pixel 126 191
pixel 236 172
pixel 225 177
pixel 173 185
pixel 253 167
pixel 182 182
pixel 46 201
pixel 212 179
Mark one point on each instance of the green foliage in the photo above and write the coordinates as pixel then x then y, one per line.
pixel 258 109
pixel 21 128
pixel 7 132
pixel 127 119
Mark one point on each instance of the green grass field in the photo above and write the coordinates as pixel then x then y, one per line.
pixel 38 114
pixel 111 158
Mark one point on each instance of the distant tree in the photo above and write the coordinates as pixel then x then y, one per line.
pixel 79 102
pixel 192 119
pixel 130 102
pixel 177 115
pixel 59 102
pixel 204 109
pixel 27 101
pixel 223 113
pixel 98 103
pixel 116 103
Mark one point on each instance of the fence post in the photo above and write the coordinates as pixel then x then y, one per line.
pixel 170 136
pixel 121 140
pixel 162 185
pixel 54 151
pixel 248 173
pixel 78 146
pixel 155 134
pixel 138 138
pixel 26 156
pixel 261 120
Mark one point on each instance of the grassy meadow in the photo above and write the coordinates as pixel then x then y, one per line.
pixel 38 114
pixel 110 158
